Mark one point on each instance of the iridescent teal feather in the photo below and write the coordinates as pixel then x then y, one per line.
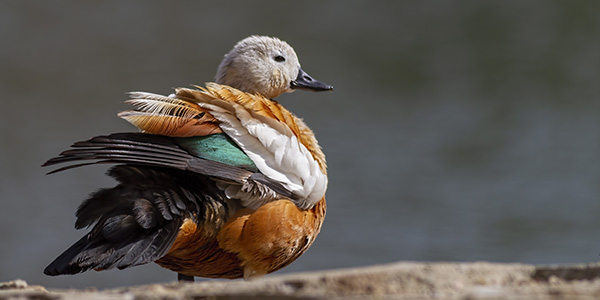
pixel 217 147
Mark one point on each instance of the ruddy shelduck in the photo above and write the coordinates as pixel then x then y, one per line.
pixel 222 181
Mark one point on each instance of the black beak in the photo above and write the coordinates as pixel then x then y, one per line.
pixel 305 82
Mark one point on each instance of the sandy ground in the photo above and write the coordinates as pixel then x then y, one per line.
pixel 402 280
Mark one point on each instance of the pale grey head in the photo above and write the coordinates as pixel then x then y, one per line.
pixel 267 66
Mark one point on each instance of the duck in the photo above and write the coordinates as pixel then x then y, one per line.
pixel 219 181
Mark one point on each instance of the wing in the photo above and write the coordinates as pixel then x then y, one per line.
pixel 278 143
pixel 160 185
pixel 167 152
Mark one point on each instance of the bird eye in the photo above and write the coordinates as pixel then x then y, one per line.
pixel 279 58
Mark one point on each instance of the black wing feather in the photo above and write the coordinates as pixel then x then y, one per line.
pixel 158 151
pixel 131 224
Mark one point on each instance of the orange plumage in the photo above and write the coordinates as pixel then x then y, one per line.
pixel 251 243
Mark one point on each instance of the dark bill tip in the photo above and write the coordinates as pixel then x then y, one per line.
pixel 305 82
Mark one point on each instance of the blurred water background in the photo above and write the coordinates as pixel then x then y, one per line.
pixel 457 131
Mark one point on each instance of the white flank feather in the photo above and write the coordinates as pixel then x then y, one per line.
pixel 274 149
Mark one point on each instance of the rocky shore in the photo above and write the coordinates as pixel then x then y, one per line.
pixel 402 280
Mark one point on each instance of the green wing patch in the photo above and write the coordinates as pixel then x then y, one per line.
pixel 218 147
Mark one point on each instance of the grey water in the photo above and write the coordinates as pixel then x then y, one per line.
pixel 457 130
